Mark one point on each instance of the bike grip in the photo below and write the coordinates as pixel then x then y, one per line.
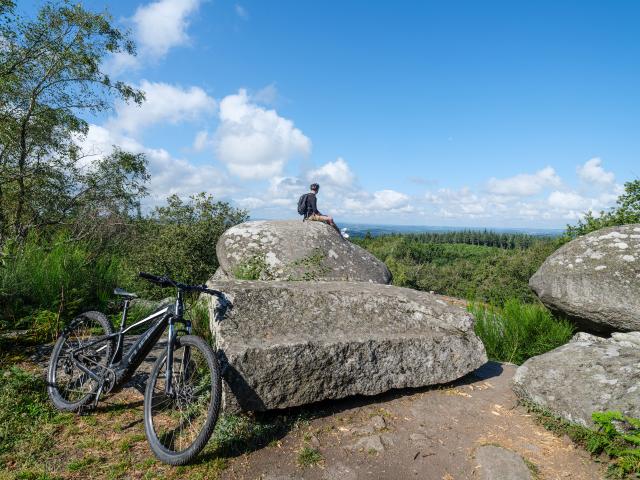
pixel 148 276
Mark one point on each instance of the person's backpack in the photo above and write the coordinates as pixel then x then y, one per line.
pixel 302 204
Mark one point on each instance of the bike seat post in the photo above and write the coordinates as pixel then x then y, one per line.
pixel 125 309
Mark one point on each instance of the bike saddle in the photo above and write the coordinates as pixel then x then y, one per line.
pixel 124 293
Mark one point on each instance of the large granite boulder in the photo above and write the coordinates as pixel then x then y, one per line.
pixel 291 343
pixel 295 250
pixel 595 280
pixel 588 374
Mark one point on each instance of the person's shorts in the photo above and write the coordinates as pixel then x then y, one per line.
pixel 317 218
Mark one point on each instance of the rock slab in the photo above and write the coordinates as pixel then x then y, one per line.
pixel 595 280
pixel 297 250
pixel 497 463
pixel 285 344
pixel 588 374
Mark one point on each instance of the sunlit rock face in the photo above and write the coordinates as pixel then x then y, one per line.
pixel 588 374
pixel 595 280
pixel 284 344
pixel 295 250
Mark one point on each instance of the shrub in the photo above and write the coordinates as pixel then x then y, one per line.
pixel 615 435
pixel 517 331
pixel 179 240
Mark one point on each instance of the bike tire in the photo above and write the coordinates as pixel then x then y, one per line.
pixel 155 419
pixel 85 328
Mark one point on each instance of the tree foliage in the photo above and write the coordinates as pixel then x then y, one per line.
pixel 627 210
pixel 50 75
pixel 179 239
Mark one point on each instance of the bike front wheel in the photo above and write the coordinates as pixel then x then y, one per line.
pixel 179 423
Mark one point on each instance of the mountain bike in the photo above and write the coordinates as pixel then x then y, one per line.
pixel 182 396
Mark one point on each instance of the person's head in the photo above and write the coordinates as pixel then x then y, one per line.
pixel 314 187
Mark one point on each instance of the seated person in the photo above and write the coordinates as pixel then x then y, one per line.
pixel 312 213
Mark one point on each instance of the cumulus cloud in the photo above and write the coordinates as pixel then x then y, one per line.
pixel 164 103
pixel 379 201
pixel 157 27
pixel 253 142
pixel 335 173
pixel 593 173
pixel 525 184
pixel 169 175
pixel 567 201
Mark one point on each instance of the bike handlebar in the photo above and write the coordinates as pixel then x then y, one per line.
pixel 167 282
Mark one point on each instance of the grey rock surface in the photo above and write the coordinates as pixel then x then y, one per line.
pixel 497 463
pixel 595 280
pixel 586 375
pixel 297 250
pixel 285 344
pixel 220 275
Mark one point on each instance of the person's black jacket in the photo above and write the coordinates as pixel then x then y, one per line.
pixel 312 205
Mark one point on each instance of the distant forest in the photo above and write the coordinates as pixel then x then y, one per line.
pixel 481 266
pixel 486 238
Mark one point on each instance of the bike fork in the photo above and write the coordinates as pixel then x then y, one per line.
pixel 168 384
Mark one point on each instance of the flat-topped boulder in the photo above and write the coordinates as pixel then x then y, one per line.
pixel 295 250
pixel 285 344
pixel 595 280
pixel 588 374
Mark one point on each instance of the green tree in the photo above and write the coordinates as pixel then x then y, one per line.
pixel 179 239
pixel 627 210
pixel 50 74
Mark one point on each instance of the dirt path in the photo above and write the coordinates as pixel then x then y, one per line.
pixel 429 435
pixel 426 434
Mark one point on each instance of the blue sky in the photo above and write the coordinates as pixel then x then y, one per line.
pixel 503 114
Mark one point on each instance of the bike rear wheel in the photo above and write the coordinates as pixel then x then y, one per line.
pixel 179 425
pixel 70 388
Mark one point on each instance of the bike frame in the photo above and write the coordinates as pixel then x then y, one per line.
pixel 124 364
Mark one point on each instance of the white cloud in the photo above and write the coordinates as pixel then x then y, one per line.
pixel 335 173
pixel 593 173
pixel 380 201
pixel 253 142
pixel 169 175
pixel 567 201
pixel 157 27
pixel 163 24
pixel 164 103
pixel 241 11
pixel 389 200
pixel 525 184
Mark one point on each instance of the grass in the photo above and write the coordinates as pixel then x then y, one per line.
pixel 38 442
pixel 28 424
pixel 519 331
pixel 616 436
pixel 308 456
pixel 43 284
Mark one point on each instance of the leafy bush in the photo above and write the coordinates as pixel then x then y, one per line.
pixel 180 239
pixel 517 331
